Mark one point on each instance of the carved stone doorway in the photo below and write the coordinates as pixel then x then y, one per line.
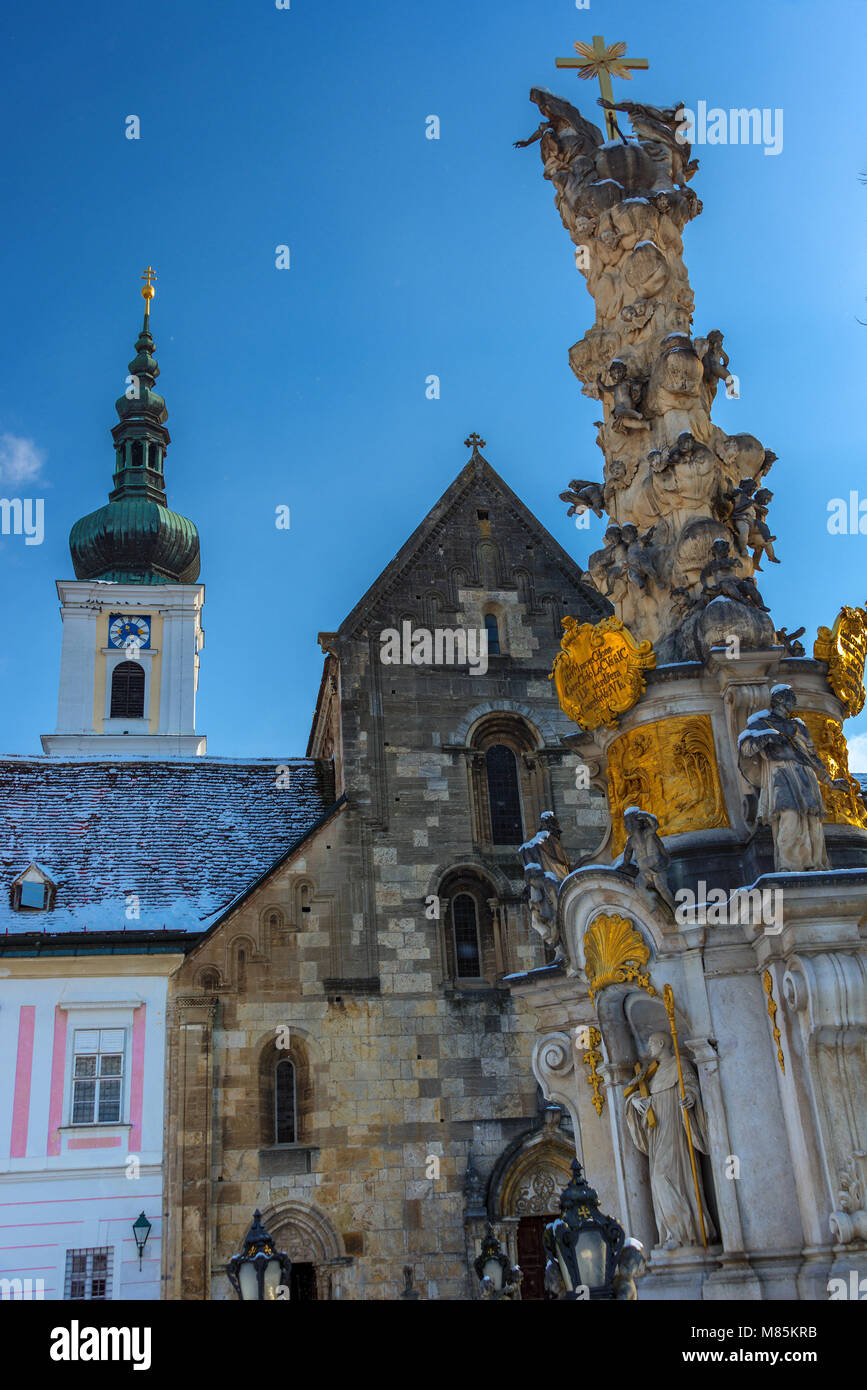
pixel 524 1195
pixel 312 1244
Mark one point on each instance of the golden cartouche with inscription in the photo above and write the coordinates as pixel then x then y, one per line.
pixel 599 671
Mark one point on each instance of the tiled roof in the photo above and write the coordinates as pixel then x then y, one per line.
pixel 185 837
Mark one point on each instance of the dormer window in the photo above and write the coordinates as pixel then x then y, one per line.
pixel 33 895
pixel 32 891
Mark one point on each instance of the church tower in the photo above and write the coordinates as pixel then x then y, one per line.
pixel 132 617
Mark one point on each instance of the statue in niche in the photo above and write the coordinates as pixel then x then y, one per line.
pixel 584 496
pixel 545 867
pixel 664 1140
pixel 778 758
pixel 722 569
pixel 646 855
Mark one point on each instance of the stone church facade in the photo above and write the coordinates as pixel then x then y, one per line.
pixel 343 1052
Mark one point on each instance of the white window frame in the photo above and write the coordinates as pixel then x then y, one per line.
pixel 90 1017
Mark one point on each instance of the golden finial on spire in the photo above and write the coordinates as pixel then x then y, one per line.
pixel 147 290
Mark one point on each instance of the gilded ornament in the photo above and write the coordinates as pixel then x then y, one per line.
pixel 599 670
pixel 841 807
pixel 667 767
pixel 591 1059
pixel 615 952
pixel 772 1014
pixel 844 648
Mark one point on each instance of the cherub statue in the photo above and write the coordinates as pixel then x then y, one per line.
pixel 789 640
pixel 722 569
pixel 742 512
pixel 645 848
pixel 584 496
pixel 606 566
pixel 715 360
pixel 639 566
pixel 638 314
pixel 760 536
pixel 627 393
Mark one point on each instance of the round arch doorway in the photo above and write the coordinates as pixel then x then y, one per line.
pixel 312 1244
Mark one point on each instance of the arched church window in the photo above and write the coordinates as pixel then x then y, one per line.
pixel 137 454
pixel 465 928
pixel 127 691
pixel 284 1102
pixel 492 628
pixel 504 795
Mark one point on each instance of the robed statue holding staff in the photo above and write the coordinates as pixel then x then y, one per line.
pixel 656 1116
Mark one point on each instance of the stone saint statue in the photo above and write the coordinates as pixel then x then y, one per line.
pixel 658 1128
pixel 646 852
pixel 778 758
pixel 545 867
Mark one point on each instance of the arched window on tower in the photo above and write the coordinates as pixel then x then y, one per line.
pixel 492 628
pixel 137 454
pixel 504 795
pixel 127 691
pixel 284 1102
pixel 465 935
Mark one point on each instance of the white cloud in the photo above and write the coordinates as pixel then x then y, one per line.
pixel 858 753
pixel 20 460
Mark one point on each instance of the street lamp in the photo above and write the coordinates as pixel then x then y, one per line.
pixel 497 1278
pixel 583 1245
pixel 141 1229
pixel 261 1270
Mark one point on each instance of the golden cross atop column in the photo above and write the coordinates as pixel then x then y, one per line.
pixel 603 62
pixel 147 290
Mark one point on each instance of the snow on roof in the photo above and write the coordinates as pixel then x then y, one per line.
pixel 184 837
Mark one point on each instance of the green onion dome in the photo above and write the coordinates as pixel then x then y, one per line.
pixel 134 538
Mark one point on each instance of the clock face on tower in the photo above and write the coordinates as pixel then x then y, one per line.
pixel 126 627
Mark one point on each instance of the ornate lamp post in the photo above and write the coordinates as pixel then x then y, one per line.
pixel 260 1270
pixel 497 1278
pixel 141 1229
pixel 583 1245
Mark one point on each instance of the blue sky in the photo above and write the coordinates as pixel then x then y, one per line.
pixel 409 257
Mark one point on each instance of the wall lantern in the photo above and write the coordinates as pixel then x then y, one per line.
pixel 141 1229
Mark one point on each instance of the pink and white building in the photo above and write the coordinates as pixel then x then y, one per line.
pixel 81 1122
